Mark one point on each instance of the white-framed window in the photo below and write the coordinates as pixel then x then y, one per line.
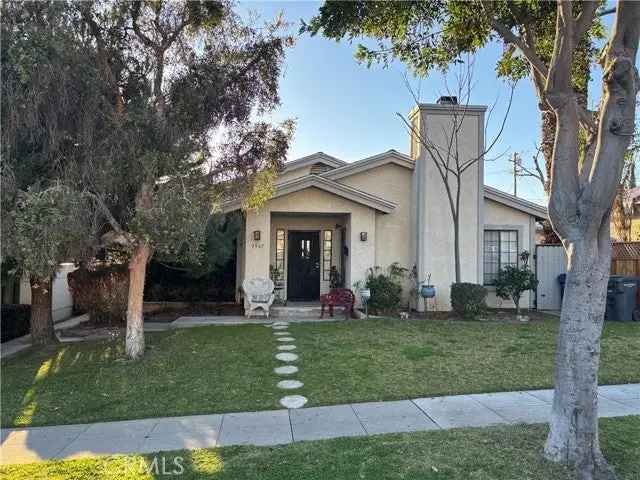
pixel 500 250
pixel 327 253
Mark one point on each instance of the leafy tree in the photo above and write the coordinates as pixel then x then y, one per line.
pixel 44 127
pixel 554 45
pixel 513 280
pixel 176 72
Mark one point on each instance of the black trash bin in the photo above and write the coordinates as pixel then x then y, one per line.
pixel 621 298
pixel 562 279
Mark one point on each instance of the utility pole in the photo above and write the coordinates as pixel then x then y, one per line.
pixel 516 172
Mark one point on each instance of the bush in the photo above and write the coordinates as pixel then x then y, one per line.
pixel 386 289
pixel 14 321
pixel 468 299
pixel 101 292
pixel 513 281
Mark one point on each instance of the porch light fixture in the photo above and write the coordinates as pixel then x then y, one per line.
pixel 256 235
pixel 363 236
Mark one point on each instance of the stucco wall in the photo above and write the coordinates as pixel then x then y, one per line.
pixel 501 217
pixel 393 230
pixel 435 232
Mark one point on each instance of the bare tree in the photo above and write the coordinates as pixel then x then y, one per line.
pixel 450 161
pixel 582 191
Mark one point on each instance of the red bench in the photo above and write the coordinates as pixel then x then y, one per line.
pixel 338 297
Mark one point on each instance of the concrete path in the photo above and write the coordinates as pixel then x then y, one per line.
pixel 22 343
pixel 285 426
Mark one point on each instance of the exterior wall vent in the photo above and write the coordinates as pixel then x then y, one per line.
pixel 318 168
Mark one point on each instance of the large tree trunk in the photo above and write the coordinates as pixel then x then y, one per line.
pixel 134 344
pixel 42 331
pixel 573 436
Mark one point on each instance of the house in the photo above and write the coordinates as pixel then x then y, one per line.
pixel 391 207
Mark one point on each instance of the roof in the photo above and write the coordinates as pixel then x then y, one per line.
pixel 327 185
pixel 517 203
pixel 318 157
pixel 390 156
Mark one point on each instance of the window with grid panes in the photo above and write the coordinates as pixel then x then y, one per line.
pixel 500 250
pixel 327 248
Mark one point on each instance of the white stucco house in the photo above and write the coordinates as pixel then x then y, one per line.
pixel 387 208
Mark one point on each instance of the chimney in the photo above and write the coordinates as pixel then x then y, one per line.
pixel 446 100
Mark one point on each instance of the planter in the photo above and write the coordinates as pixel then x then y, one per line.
pixel 427 291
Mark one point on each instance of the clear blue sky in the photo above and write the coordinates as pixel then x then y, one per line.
pixel 349 111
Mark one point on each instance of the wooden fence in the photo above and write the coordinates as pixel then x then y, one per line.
pixel 625 259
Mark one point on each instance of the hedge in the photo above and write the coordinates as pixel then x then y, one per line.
pixel 14 321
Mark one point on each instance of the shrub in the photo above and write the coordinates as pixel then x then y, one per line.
pixel 513 281
pixel 386 288
pixel 14 321
pixel 101 292
pixel 468 299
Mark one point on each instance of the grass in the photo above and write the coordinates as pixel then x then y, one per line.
pixel 224 369
pixel 505 453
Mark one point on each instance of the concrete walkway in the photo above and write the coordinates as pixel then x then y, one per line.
pixel 285 426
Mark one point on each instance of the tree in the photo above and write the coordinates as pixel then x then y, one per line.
pixel 176 72
pixel 450 161
pixel 586 162
pixel 514 280
pixel 44 124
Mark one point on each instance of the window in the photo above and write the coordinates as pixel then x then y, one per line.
pixel 327 248
pixel 500 250
pixel 279 255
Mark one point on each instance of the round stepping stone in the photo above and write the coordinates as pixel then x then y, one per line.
pixel 285 339
pixel 290 384
pixel 277 324
pixel 286 357
pixel 285 348
pixel 286 370
pixel 281 333
pixel 293 401
pixel 280 327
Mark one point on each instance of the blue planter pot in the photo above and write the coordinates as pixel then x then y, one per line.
pixel 428 291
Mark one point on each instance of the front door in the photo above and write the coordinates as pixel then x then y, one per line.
pixel 303 275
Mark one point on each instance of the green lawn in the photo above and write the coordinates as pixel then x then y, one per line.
pixel 500 453
pixel 222 369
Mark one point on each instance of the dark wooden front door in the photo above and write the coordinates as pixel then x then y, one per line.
pixel 303 275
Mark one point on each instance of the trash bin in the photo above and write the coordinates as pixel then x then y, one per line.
pixel 621 298
pixel 562 279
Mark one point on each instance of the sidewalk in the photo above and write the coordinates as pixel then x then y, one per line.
pixel 278 427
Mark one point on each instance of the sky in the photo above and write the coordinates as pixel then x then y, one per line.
pixel 349 111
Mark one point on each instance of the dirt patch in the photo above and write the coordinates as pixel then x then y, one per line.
pixel 169 314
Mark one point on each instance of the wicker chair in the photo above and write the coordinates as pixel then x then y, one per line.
pixel 258 293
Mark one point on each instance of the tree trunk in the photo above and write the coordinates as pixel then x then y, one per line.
pixel 573 435
pixel 135 321
pixel 42 331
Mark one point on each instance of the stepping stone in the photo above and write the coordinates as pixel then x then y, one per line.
pixel 293 401
pixel 280 327
pixel 289 384
pixel 285 339
pixel 285 348
pixel 286 370
pixel 277 324
pixel 287 357
pixel 281 333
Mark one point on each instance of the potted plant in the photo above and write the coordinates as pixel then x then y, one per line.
pixel 427 290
